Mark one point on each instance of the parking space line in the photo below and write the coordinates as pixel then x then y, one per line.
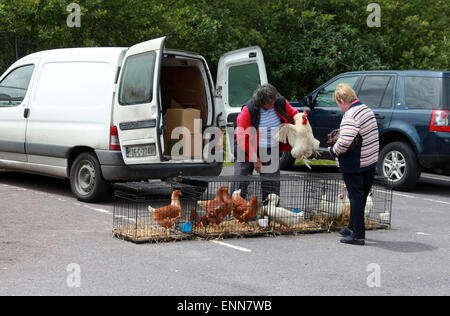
pixel 231 246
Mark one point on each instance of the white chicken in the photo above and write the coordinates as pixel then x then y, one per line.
pixel 336 207
pixel 279 215
pixel 341 203
pixel 300 137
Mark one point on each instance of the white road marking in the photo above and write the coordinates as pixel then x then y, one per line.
pixel 231 246
pixel 100 210
pixel 405 195
pixel 423 234
pixel 437 201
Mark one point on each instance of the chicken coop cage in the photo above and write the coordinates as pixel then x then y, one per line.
pixel 151 212
pixel 230 206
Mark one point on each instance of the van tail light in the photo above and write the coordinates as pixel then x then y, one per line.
pixel 114 139
pixel 440 121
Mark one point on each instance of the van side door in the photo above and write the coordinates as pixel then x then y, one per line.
pixel 136 111
pixel 14 96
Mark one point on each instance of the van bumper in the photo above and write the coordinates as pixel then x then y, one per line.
pixel 114 169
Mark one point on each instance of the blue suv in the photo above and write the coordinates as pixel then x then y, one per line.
pixel 412 108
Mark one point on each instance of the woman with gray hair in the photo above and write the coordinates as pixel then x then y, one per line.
pixel 358 164
pixel 255 148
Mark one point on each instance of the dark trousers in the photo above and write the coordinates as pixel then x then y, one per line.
pixel 270 173
pixel 358 187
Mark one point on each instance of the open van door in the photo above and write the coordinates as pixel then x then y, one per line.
pixel 238 75
pixel 136 103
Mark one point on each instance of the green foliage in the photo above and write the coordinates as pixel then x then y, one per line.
pixel 305 42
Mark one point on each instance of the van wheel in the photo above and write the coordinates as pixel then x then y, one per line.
pixel 286 161
pixel 86 179
pixel 398 162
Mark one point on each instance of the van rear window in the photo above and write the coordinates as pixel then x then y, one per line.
pixel 426 93
pixel 136 86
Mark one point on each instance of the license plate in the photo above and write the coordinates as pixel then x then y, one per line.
pixel 140 151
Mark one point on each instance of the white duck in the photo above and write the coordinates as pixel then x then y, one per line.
pixel 279 215
pixel 369 205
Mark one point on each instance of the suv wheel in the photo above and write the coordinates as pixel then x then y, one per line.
pixel 286 161
pixel 86 179
pixel 398 162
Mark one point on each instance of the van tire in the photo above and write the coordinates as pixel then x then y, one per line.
pixel 287 161
pixel 398 161
pixel 86 179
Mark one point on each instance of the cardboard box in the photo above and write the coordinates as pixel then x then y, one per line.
pixel 182 117
pixel 187 150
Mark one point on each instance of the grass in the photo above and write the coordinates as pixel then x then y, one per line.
pixel 313 162
pixel 317 162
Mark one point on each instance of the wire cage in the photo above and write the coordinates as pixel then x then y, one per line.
pixel 146 212
pixel 328 202
pixel 251 206
pixel 229 206
pixel 300 203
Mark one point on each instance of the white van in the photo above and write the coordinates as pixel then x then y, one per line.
pixel 95 115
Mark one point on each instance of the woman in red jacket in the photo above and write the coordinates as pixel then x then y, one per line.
pixel 255 148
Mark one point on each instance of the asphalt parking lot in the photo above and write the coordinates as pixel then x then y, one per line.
pixel 51 244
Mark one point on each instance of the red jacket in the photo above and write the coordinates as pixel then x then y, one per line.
pixel 248 141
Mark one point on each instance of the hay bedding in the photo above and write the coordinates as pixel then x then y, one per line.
pixel 143 231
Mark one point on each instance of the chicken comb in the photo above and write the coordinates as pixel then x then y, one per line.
pixel 305 117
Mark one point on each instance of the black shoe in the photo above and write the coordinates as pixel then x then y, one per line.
pixel 344 232
pixel 352 241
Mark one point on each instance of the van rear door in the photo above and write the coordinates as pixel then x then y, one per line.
pixel 137 103
pixel 238 75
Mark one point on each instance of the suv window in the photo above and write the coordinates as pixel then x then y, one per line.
pixel 423 92
pixel 325 96
pixel 446 95
pixel 14 86
pixel 243 80
pixel 136 86
pixel 377 91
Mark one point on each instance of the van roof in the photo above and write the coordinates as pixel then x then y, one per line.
pixel 77 53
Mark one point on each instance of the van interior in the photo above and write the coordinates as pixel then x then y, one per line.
pixel 183 86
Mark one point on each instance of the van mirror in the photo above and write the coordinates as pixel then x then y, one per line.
pixel 4 97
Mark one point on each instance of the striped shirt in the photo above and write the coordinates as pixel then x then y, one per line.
pixel 268 125
pixel 359 118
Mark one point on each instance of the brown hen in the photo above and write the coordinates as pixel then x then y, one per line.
pixel 198 220
pixel 244 211
pixel 168 215
pixel 217 209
